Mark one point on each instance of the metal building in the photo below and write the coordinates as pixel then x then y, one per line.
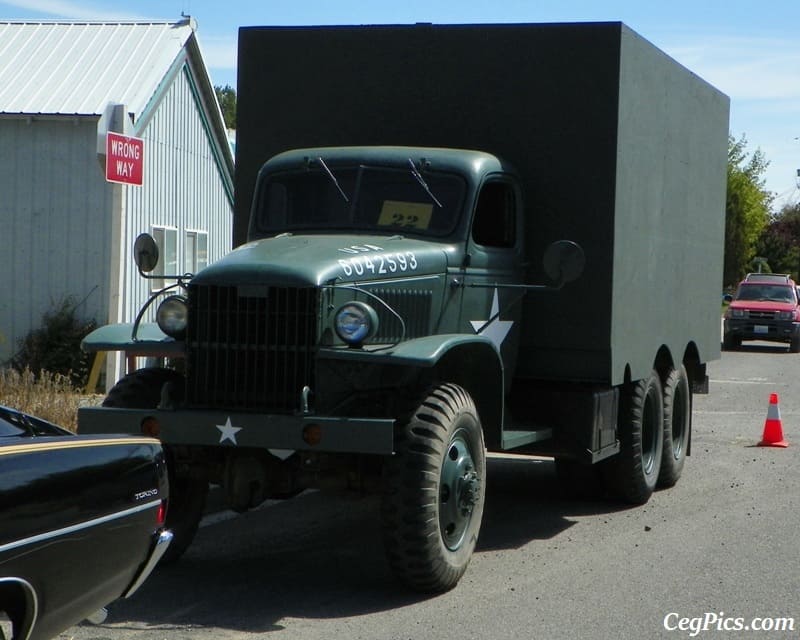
pixel 67 230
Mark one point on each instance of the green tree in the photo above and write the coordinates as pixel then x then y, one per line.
pixel 780 241
pixel 747 208
pixel 226 96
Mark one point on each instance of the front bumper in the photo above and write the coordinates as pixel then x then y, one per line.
pixel 256 430
pixel 762 329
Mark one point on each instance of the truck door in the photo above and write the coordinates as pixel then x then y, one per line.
pixel 494 258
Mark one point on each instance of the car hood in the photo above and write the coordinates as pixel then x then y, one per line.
pixel 763 305
pixel 311 260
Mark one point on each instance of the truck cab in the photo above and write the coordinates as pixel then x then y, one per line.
pixel 436 230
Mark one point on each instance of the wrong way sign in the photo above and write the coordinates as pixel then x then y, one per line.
pixel 124 159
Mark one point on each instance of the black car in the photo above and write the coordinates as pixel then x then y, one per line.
pixel 81 522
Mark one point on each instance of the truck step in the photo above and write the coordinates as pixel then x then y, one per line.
pixel 515 439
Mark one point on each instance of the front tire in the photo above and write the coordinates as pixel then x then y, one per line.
pixel 141 389
pixel 434 491
pixel 632 474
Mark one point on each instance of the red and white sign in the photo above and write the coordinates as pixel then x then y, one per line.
pixel 124 159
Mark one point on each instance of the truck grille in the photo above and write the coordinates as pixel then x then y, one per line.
pixel 762 315
pixel 413 305
pixel 250 347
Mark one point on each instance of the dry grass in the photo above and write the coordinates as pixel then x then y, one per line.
pixel 48 396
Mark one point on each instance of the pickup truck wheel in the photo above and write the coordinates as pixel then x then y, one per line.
pixel 434 491
pixel 794 345
pixel 632 474
pixel 731 342
pixel 677 425
pixel 141 389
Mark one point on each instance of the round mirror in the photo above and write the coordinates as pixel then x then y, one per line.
pixel 564 261
pixel 145 253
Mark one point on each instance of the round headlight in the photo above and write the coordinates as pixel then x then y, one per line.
pixel 355 322
pixel 172 316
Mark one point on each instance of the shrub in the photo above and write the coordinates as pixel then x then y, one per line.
pixel 56 346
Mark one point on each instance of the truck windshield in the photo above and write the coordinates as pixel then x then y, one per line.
pixel 766 292
pixel 372 199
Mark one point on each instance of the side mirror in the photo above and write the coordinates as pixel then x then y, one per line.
pixel 145 253
pixel 727 298
pixel 564 261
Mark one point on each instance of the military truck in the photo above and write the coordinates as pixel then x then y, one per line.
pixel 453 240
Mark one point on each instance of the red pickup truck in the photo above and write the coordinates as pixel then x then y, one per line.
pixel 765 307
pixel 81 522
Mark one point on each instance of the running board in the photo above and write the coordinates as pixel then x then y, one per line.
pixel 516 439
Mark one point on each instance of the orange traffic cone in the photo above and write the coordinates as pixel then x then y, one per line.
pixel 773 431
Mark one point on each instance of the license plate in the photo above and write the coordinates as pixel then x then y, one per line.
pixel 760 328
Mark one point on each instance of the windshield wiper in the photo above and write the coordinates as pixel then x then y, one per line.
pixel 421 180
pixel 333 178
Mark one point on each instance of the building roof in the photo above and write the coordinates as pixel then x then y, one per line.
pixel 78 68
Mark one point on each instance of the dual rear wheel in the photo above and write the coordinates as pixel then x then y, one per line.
pixel 654 425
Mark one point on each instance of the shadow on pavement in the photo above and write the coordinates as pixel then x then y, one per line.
pixel 321 556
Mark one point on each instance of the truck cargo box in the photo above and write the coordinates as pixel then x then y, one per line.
pixel 620 149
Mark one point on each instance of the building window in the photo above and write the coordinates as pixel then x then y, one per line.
pixel 195 255
pixel 167 240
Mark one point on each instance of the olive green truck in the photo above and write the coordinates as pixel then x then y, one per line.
pixel 450 240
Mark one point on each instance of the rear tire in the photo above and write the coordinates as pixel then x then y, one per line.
pixel 434 491
pixel 632 474
pixel 677 426
pixel 141 389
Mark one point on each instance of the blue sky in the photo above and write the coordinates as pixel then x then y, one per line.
pixel 749 50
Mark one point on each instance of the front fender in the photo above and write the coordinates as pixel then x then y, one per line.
pixel 149 341
pixel 424 352
pixel 471 361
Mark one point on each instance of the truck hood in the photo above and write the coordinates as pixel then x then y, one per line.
pixel 763 305
pixel 311 260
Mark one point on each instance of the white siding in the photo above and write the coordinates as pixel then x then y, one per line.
pixel 54 205
pixel 183 184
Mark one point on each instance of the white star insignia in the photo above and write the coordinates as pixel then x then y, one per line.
pixel 228 431
pixel 497 329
